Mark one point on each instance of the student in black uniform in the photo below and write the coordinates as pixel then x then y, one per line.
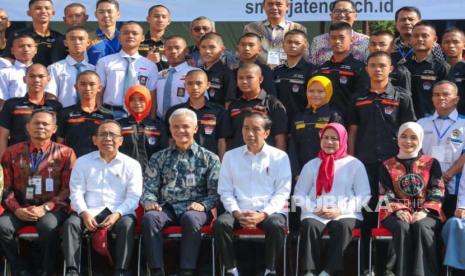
pixel 426 69
pixel 383 41
pixel 222 87
pixel 377 114
pixel 214 124
pixel 345 72
pixel 248 49
pixel 143 136
pixel 41 12
pixel 153 47
pixel 291 77
pixel 453 46
pixel 77 123
pixel 17 111
pixel 254 98
pixel 304 143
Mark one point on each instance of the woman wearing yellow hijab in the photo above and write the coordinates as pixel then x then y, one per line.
pixel 305 129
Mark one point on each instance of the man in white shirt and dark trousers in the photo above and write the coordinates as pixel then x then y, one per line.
pixel 105 186
pixel 254 185
pixel 445 139
pixel 121 70
pixel 63 74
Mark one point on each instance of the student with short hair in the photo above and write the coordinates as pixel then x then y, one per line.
pixel 426 69
pixel 453 46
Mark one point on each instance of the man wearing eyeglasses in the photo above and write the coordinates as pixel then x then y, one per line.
pixel 105 188
pixel 272 31
pixel 105 42
pixel 342 11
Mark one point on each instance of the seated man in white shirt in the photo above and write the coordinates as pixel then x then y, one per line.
pixel 445 139
pixel 254 185
pixel 120 71
pixel 12 85
pixel 105 188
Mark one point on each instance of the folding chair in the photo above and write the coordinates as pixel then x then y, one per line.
pixel 356 236
pixel 379 233
pixel 175 233
pixel 259 234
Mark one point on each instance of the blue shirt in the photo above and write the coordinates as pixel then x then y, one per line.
pixel 102 46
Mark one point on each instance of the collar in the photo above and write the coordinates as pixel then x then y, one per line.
pixel 206 105
pixel 343 61
pixel 71 61
pixel 214 67
pixel 21 65
pixel 123 54
pixel 193 149
pixel 299 65
pixel 281 25
pixel 261 96
pixel 96 155
pixel 428 59
pixel 100 33
pixel 389 90
pixel 42 149
pixel 180 67
pixel 192 49
pixel 148 37
pixel 264 151
pixel 42 102
pixel 454 115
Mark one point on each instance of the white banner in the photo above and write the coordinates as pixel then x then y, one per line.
pixel 251 10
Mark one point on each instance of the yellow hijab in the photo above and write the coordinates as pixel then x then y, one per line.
pixel 327 85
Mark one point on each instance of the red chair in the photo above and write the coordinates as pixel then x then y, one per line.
pixel 379 233
pixel 356 236
pixel 175 233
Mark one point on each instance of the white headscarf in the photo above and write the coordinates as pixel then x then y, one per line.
pixel 418 130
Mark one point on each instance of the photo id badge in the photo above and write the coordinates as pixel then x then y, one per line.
pixel 29 192
pixel 273 57
pixel 190 180
pixel 37 183
pixel 48 185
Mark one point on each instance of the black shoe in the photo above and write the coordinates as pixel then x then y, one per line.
pixel 122 272
pixel 72 272
pixel 156 272
pixel 22 273
pixel 186 272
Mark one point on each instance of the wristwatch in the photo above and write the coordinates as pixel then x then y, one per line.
pixel 46 208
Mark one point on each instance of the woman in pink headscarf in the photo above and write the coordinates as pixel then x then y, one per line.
pixel 331 190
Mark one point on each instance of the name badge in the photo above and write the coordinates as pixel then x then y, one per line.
pixel 190 180
pixel 49 184
pixel 273 57
pixel 36 182
pixel 30 192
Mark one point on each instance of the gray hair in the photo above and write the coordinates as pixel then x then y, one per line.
pixel 183 112
pixel 212 23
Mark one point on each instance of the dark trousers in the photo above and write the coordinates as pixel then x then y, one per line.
pixel 311 231
pixel 191 222
pixel 47 228
pixel 122 248
pixel 274 226
pixel 415 245
pixel 449 205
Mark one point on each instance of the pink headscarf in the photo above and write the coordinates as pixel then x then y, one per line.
pixel 326 171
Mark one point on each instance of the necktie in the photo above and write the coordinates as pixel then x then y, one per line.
pixel 78 67
pixel 167 91
pixel 130 75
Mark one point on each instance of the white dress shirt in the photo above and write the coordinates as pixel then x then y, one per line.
pixel 255 182
pixel 178 92
pixel 96 184
pixel 445 140
pixel 11 81
pixel 112 70
pixel 4 63
pixel 63 76
pixel 350 190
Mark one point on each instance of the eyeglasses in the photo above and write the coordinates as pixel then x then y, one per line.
pixel 345 12
pixel 111 135
pixel 201 28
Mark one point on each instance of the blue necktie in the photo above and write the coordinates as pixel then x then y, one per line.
pixel 130 74
pixel 167 91
pixel 78 67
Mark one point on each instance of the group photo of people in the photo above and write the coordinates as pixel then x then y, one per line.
pixel 127 151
